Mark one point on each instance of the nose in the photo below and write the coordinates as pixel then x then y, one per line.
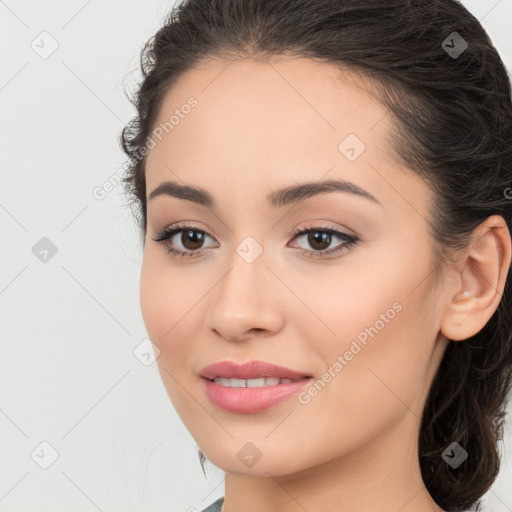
pixel 245 302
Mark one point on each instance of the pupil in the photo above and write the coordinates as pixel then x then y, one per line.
pixel 195 237
pixel 319 237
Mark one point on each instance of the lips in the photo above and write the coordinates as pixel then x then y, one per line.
pixel 250 370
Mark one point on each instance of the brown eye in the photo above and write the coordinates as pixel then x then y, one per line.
pixel 319 240
pixel 192 239
pixel 182 240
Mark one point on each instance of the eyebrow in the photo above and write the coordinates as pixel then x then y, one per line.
pixel 276 199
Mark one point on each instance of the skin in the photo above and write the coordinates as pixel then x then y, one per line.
pixel 262 126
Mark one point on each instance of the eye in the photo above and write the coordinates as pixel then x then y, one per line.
pixel 191 240
pixel 321 237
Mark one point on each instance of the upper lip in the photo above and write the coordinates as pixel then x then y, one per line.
pixel 250 370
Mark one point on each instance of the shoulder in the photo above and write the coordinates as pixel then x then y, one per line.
pixel 215 506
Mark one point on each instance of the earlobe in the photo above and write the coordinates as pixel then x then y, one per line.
pixel 483 272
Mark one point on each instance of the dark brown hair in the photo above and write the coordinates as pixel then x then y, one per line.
pixel 452 113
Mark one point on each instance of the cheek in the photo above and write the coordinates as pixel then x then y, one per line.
pixel 153 297
pixel 165 295
pixel 167 310
pixel 163 301
pixel 373 384
pixel 170 302
pixel 376 333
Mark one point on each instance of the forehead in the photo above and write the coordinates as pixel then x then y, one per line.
pixel 276 98
pixel 269 124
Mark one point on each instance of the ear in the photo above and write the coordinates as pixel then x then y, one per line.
pixel 482 273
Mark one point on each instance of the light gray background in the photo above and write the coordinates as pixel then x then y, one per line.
pixel 69 326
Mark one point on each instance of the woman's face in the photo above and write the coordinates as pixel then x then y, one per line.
pixel 363 318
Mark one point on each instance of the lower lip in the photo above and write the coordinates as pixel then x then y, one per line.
pixel 252 400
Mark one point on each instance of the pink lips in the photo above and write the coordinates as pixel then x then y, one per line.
pixel 251 400
pixel 250 370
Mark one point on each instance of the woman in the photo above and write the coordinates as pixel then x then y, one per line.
pixel 324 195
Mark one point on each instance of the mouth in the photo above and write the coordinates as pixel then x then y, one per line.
pixel 260 382
pixel 251 396
pixel 251 374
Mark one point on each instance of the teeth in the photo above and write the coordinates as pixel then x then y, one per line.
pixel 251 383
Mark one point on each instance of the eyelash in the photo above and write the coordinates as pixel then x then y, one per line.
pixel 350 241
